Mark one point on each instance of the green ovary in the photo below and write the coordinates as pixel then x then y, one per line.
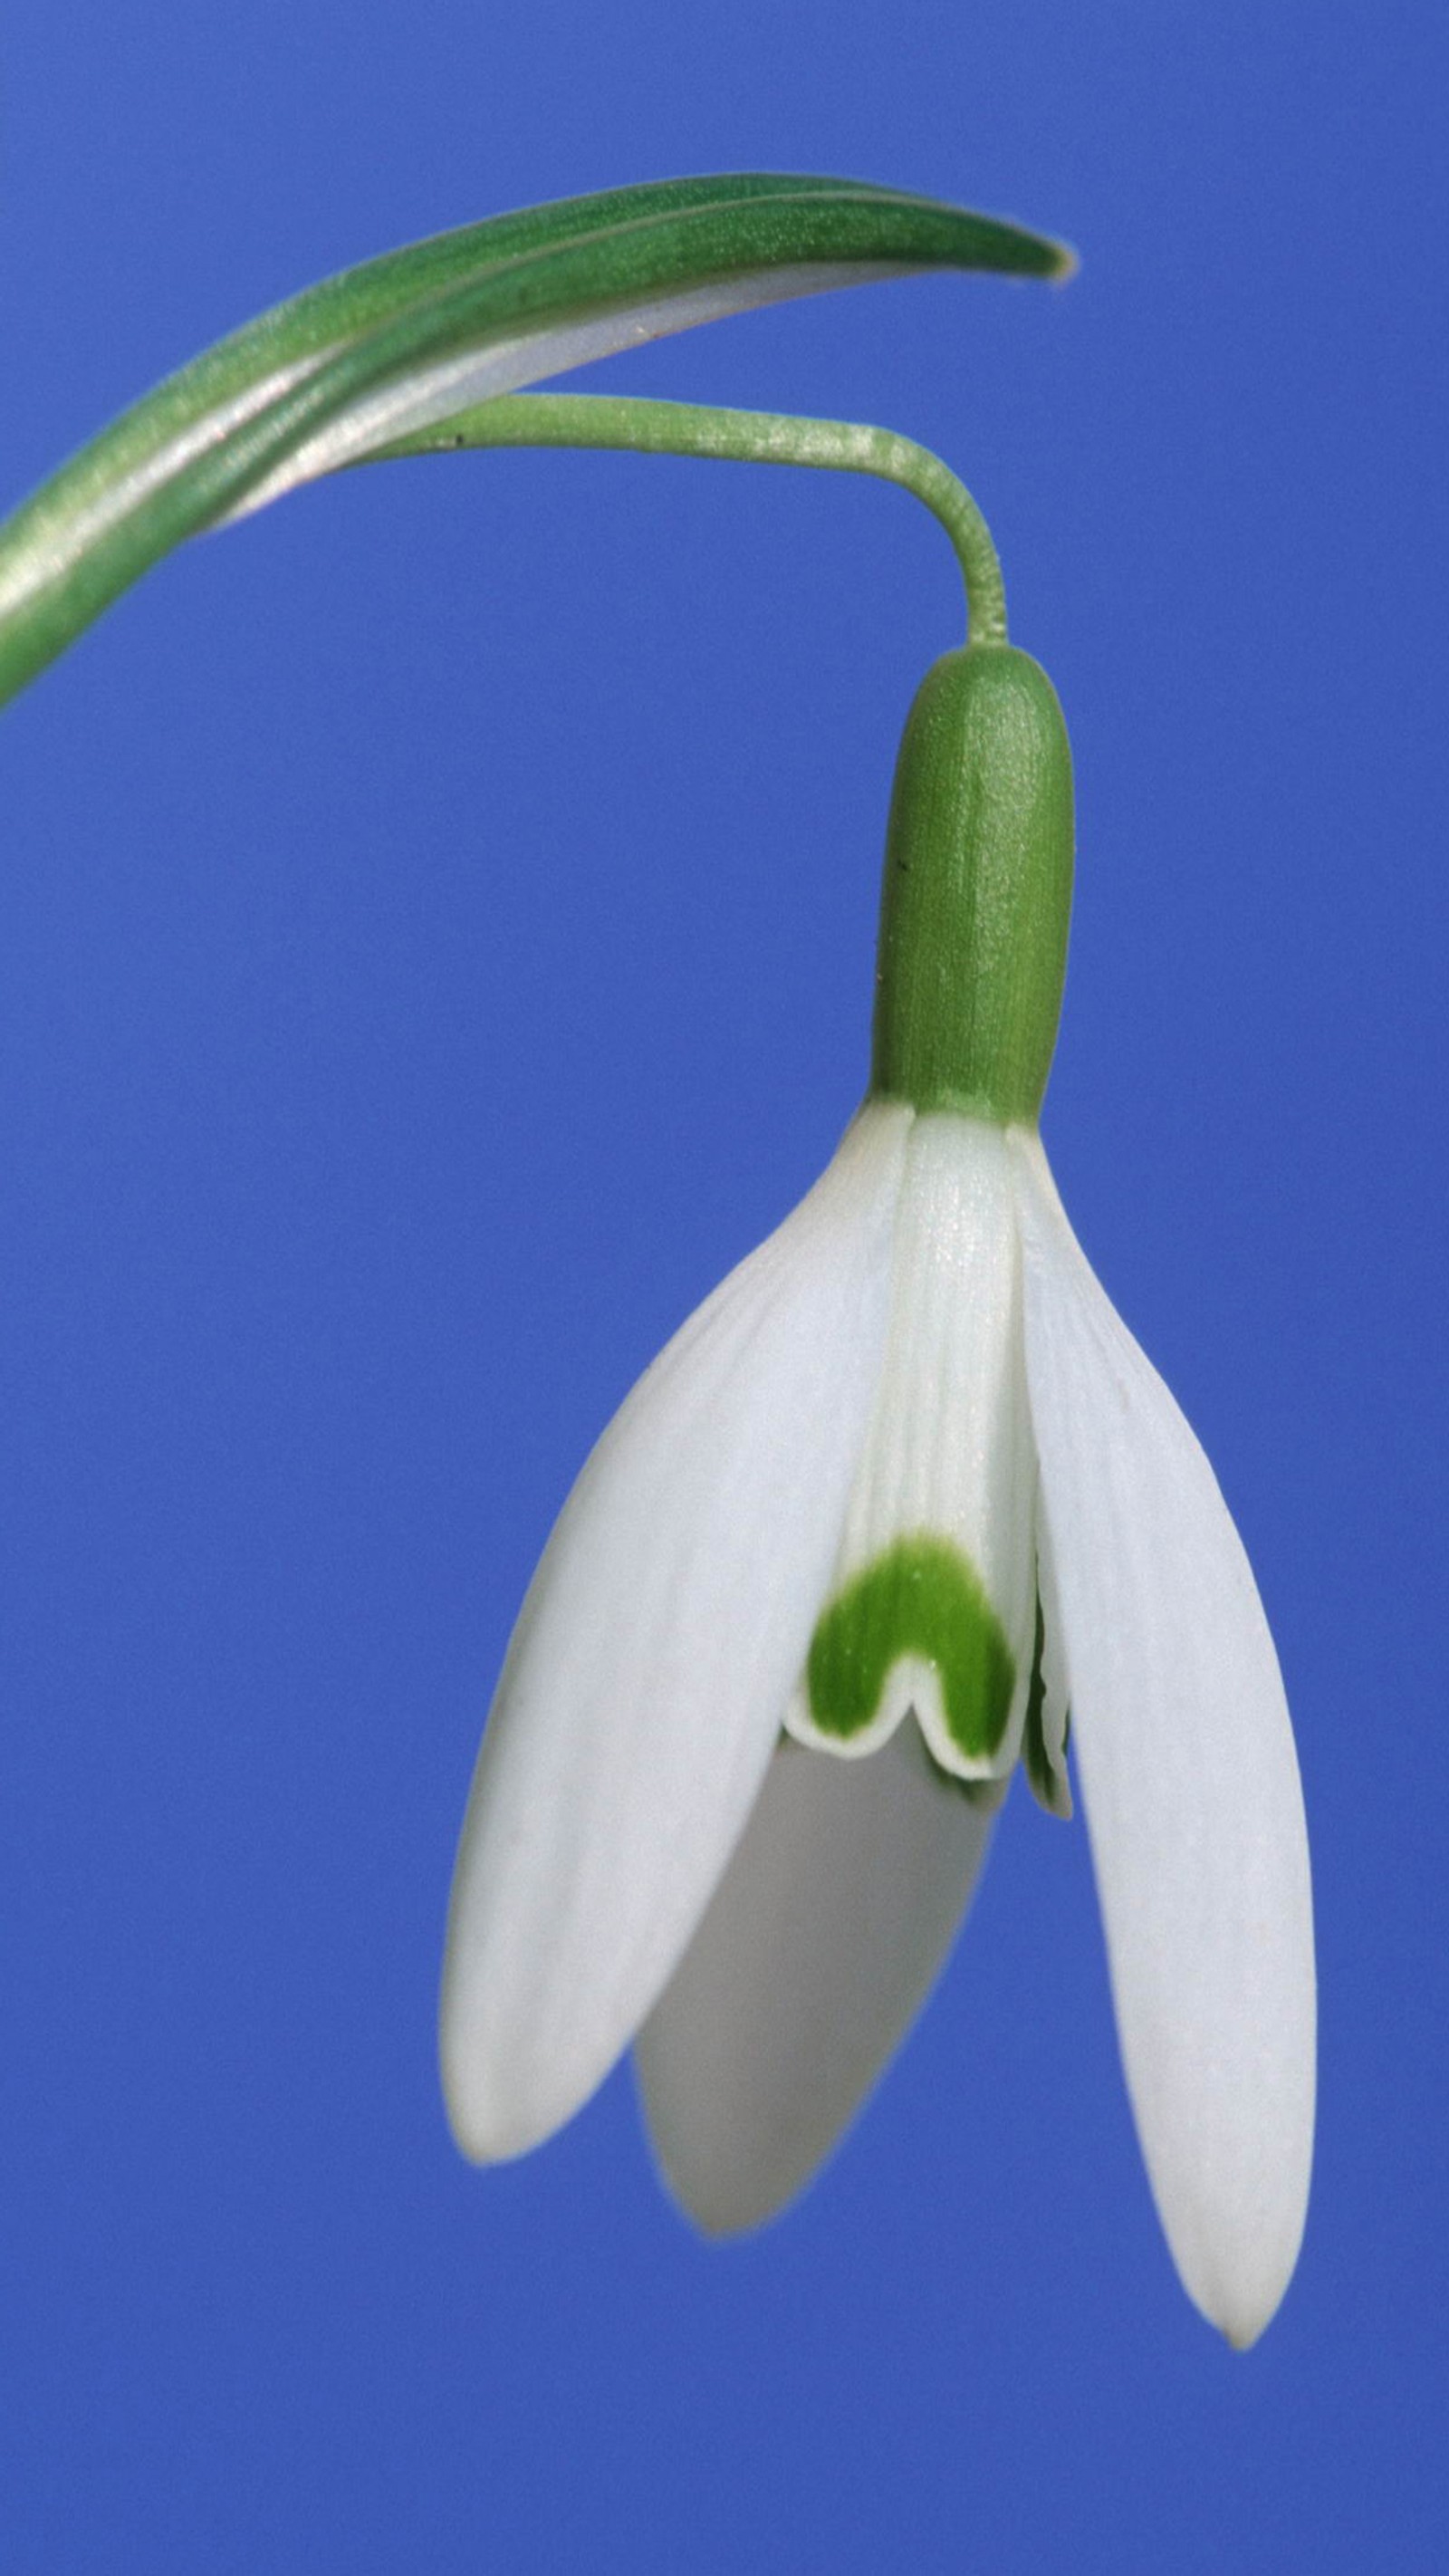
pixel 923 1597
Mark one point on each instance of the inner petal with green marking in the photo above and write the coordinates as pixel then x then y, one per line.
pixel 920 1603
pixel 930 1610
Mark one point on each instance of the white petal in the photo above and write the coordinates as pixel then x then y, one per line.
pixel 650 1666
pixel 949 1453
pixel 818 1950
pixel 1190 1784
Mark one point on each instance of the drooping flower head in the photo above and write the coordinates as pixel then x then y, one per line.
pixel 901 1506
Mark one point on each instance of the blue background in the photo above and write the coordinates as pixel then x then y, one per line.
pixel 436 944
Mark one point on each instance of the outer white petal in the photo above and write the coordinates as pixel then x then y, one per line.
pixel 817 1951
pixel 651 1663
pixel 1190 1784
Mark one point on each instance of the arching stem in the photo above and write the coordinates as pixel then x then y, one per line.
pixel 741 437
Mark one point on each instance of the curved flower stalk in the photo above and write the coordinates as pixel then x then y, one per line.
pixel 901 1507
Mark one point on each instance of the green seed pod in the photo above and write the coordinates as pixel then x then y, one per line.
pixel 977 892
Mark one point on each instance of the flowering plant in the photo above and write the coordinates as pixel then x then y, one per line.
pixel 903 1505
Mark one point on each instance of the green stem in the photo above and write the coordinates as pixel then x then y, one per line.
pixel 742 437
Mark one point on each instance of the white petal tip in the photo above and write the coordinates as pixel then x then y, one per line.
pixel 502 2100
pixel 1243 2307
pixel 1236 2254
pixel 1241 2329
pixel 483 2133
pixel 721 2217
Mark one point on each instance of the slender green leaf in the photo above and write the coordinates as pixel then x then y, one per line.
pixel 404 340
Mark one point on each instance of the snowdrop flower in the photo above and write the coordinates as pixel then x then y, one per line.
pixel 901 1506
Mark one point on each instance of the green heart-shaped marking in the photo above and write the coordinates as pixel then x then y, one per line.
pixel 921 1597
